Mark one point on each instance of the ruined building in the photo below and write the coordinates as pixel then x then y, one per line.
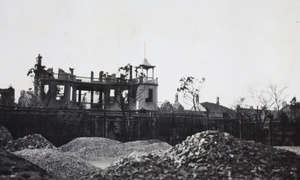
pixel 7 97
pixel 125 90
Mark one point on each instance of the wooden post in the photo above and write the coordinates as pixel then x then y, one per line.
pixel 105 123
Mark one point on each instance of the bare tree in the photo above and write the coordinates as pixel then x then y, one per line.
pixel 268 103
pixel 191 87
pixel 239 103
pixel 126 93
pixel 277 94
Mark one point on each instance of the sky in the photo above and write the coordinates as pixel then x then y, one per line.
pixel 235 44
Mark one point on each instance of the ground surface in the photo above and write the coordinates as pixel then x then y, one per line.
pixel 217 155
pixel 106 162
pixel 295 149
pixel 102 163
pixel 13 167
pixel 81 156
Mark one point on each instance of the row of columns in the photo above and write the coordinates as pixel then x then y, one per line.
pixel 76 92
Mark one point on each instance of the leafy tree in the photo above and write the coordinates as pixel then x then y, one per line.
pixel 295 108
pixel 191 87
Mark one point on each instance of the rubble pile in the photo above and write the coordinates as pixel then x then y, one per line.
pixel 13 167
pixel 145 146
pixel 62 165
pixel 150 166
pixel 294 149
pixel 5 136
pixel 91 148
pixel 210 155
pixel 216 155
pixel 77 144
pixel 94 148
pixel 35 141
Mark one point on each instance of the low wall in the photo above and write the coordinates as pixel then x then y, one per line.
pixel 61 126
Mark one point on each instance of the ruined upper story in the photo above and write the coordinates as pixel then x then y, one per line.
pixel 98 90
pixel 143 74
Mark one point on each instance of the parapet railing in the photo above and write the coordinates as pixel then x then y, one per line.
pixel 70 77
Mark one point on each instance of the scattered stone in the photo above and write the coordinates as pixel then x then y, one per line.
pixel 209 155
pixel 205 155
pixel 5 136
pixel 35 141
pixel 218 155
pixel 91 148
pixel 97 148
pixel 150 166
pixel 62 165
pixel 295 149
pixel 13 167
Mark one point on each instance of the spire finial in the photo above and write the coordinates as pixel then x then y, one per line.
pixel 144 50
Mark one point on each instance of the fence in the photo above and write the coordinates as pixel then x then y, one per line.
pixel 61 126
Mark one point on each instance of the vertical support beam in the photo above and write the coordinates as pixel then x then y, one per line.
pixel 130 72
pixel 101 76
pixel 153 73
pixel 67 92
pixel 92 76
pixel 106 96
pixel 79 96
pixel 74 93
pixel 101 99
pixel 92 97
pixel 53 89
pixel 42 93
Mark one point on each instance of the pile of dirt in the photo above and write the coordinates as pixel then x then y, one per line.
pixel 146 166
pixel 210 155
pixel 62 165
pixel 216 155
pixel 13 167
pixel 145 146
pixel 295 149
pixel 35 141
pixel 5 136
pixel 97 148
pixel 92 148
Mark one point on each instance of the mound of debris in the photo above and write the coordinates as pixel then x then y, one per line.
pixel 97 148
pixel 216 155
pixel 62 165
pixel 35 141
pixel 149 166
pixel 295 149
pixel 210 155
pixel 5 136
pixel 13 167
pixel 91 148
pixel 145 146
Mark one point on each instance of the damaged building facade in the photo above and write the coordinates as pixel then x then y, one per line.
pixel 134 87
pixel 7 97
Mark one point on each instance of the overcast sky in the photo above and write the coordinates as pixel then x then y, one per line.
pixel 234 44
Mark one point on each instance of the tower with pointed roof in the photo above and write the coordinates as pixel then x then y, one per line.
pixel 148 84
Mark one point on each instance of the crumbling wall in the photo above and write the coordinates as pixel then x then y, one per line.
pixel 7 96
